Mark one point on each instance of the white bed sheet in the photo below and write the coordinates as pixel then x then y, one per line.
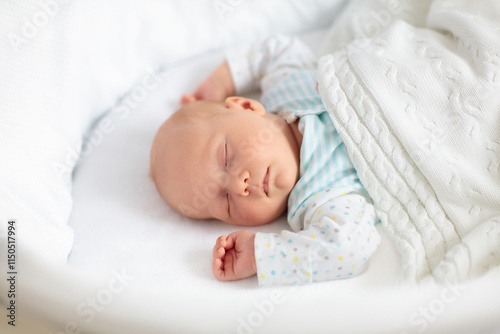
pixel 122 225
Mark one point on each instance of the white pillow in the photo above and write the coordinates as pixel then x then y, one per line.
pixel 63 64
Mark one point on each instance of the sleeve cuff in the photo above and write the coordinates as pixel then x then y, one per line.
pixel 270 270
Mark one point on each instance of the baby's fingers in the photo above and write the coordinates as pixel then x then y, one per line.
pixel 219 244
pixel 217 268
pixel 187 98
pixel 230 241
pixel 217 263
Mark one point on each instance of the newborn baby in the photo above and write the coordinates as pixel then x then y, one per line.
pixel 245 163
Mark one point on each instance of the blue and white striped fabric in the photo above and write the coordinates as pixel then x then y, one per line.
pixel 327 208
pixel 284 69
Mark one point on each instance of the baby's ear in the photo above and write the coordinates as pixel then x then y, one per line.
pixel 238 102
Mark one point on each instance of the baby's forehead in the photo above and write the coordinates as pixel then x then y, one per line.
pixel 185 128
pixel 194 123
pixel 200 109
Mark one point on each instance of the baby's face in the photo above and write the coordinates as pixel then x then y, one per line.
pixel 238 164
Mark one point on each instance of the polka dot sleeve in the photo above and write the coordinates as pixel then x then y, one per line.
pixel 337 239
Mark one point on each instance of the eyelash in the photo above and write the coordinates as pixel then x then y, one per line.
pixel 225 154
pixel 225 165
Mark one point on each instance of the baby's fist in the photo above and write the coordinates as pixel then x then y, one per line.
pixel 233 256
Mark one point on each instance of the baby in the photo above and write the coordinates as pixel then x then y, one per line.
pixel 245 163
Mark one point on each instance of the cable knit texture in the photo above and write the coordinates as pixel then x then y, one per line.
pixel 419 111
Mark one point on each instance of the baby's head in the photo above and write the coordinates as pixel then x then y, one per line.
pixel 228 160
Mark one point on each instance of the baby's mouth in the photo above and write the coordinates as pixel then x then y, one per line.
pixel 265 183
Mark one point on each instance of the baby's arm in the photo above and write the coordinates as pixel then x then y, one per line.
pixel 216 87
pixel 257 67
pixel 337 240
pixel 234 257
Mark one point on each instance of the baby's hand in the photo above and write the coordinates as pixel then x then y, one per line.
pixel 216 87
pixel 234 257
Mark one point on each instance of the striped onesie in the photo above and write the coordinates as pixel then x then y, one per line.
pixel 328 209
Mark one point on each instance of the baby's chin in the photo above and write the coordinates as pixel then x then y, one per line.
pixel 259 220
pixel 248 223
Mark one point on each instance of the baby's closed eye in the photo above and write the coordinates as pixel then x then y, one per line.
pixel 225 154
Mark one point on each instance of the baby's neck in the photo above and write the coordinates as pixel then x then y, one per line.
pixel 295 129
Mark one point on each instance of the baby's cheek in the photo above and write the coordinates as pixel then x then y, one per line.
pixel 253 213
pixel 272 208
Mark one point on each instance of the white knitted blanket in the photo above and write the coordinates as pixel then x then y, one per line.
pixel 419 111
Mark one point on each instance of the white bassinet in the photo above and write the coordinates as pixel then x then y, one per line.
pixel 135 266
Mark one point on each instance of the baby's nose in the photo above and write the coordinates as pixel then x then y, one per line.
pixel 239 183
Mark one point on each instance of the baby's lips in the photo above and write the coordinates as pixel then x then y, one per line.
pixel 265 183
